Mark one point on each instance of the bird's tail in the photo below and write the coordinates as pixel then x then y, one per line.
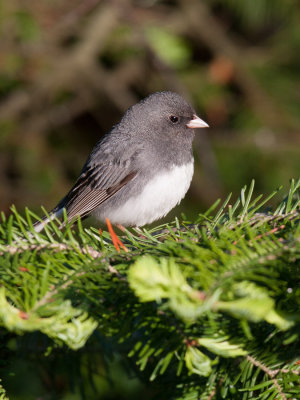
pixel 55 213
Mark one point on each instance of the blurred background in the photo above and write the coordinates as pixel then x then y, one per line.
pixel 69 70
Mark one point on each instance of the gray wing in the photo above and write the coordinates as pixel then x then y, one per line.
pixel 83 198
pixel 99 181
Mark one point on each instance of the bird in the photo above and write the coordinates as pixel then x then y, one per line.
pixel 139 170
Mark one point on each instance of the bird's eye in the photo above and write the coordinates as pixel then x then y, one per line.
pixel 173 119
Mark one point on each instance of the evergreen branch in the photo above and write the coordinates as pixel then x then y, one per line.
pixel 57 247
pixel 197 303
pixel 269 372
pixel 61 321
pixel 49 296
pixel 2 393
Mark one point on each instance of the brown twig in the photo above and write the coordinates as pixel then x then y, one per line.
pixel 271 373
pixel 57 247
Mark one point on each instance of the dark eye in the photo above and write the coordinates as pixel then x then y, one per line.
pixel 173 119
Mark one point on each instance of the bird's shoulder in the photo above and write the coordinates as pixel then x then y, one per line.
pixel 114 149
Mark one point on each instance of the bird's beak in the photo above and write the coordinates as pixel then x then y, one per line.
pixel 197 122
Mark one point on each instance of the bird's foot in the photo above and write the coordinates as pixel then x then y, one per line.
pixel 114 237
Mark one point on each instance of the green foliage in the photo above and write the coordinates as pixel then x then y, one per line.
pixel 61 321
pixel 208 309
pixel 26 26
pixel 172 49
pixel 2 393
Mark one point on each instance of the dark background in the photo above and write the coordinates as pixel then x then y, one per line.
pixel 68 71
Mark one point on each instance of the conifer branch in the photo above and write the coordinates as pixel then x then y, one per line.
pixel 57 247
pixel 269 372
pixel 205 299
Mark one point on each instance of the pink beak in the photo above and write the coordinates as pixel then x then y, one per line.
pixel 197 122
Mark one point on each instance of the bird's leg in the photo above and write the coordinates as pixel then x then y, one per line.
pixel 115 239
pixel 121 227
pixel 140 232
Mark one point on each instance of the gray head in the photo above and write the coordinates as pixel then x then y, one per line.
pixel 163 114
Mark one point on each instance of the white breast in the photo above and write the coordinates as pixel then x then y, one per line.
pixel 157 198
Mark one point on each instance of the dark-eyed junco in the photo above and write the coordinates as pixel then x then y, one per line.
pixel 139 170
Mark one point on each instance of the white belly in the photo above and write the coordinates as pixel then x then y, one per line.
pixel 157 198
